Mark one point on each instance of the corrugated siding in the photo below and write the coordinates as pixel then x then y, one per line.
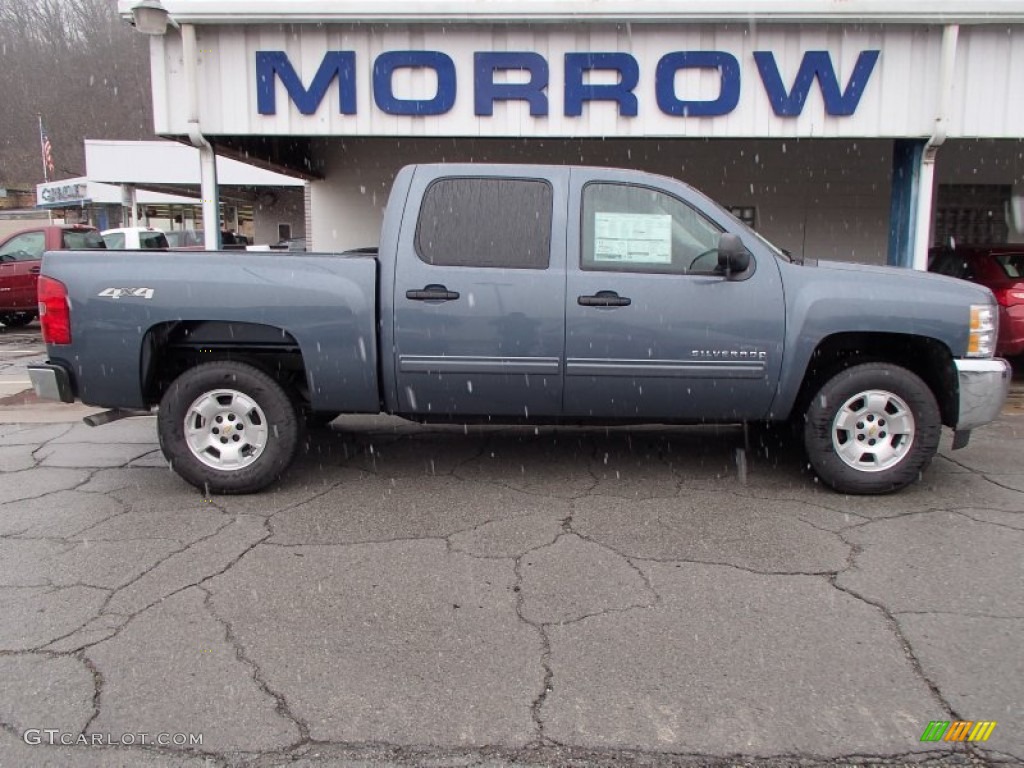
pixel 900 99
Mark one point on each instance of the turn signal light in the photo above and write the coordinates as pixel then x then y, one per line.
pixel 982 341
pixel 54 311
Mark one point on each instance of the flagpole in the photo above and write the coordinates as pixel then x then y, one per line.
pixel 42 152
pixel 42 156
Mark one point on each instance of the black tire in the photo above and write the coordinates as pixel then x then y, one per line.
pixel 17 319
pixel 902 458
pixel 279 423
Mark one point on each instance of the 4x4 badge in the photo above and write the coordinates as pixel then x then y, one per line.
pixel 118 293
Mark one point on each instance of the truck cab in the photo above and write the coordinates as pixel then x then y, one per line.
pixel 578 293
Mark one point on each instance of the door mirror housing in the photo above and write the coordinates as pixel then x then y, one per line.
pixel 733 257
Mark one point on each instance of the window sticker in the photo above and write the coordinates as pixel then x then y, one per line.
pixel 633 238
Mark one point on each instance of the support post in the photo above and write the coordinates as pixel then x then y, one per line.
pixel 905 201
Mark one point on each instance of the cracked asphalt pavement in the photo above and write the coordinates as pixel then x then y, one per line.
pixel 492 596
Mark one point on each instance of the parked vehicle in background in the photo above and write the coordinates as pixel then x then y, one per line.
pixel 21 254
pixel 232 241
pixel 290 244
pixel 512 293
pixel 185 239
pixel 999 268
pixel 135 239
pixel 195 240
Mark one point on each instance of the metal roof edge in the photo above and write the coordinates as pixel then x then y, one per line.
pixel 591 11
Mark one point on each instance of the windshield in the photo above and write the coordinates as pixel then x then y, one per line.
pixel 82 240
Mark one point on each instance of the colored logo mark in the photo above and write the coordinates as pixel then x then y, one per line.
pixel 958 730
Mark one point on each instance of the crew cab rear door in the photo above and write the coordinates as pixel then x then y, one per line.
pixel 479 286
pixel 652 330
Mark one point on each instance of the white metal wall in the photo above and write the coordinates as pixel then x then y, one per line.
pixel 900 98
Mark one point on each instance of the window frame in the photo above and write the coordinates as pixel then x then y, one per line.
pixel 550 232
pixel 634 269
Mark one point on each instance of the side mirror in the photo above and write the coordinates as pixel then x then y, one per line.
pixel 733 258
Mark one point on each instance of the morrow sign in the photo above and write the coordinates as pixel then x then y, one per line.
pixel 524 76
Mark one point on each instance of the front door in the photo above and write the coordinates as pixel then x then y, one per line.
pixel 652 330
pixel 20 258
pixel 478 295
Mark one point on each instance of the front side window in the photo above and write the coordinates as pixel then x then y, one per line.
pixel 628 228
pixel 25 247
pixel 498 223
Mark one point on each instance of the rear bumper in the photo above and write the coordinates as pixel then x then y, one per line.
pixel 984 385
pixel 51 382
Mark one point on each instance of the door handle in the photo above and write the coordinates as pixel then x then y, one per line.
pixel 604 299
pixel 33 270
pixel 432 292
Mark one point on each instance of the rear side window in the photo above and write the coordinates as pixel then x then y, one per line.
pixel 499 223
pixel 150 240
pixel 79 241
pixel 115 241
pixel 1012 263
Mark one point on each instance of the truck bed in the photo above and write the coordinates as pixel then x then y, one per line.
pixel 325 304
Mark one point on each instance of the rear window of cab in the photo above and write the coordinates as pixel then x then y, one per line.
pixel 82 240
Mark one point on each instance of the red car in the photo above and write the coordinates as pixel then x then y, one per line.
pixel 20 257
pixel 999 268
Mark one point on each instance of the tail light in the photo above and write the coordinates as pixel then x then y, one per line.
pixel 54 311
pixel 1008 297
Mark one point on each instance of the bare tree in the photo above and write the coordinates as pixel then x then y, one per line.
pixel 80 67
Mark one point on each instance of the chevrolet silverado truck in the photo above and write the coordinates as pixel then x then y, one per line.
pixel 523 293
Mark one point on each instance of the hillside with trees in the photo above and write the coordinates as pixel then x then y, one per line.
pixel 80 67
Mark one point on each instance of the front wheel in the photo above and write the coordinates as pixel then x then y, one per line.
pixel 871 429
pixel 228 427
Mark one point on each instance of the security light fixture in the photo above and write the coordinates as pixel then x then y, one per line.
pixel 150 17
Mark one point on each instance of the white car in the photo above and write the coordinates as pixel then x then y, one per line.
pixel 134 239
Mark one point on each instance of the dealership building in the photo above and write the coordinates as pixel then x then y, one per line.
pixel 862 130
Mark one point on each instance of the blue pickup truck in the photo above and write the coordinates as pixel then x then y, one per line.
pixel 523 293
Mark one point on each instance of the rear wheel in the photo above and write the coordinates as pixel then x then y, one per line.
pixel 872 428
pixel 17 319
pixel 228 427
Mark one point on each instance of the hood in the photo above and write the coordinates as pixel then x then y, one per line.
pixel 911 280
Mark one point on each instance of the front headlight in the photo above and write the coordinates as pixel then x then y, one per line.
pixel 984 330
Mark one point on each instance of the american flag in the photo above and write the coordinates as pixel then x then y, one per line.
pixel 47 149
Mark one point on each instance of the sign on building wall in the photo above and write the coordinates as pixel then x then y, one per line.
pixel 502 80
pixel 67 192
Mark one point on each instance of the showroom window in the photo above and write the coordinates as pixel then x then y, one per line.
pixel 971 214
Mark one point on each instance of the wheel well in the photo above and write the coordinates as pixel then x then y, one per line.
pixel 929 358
pixel 169 349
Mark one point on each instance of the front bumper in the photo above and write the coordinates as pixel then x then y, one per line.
pixel 983 386
pixel 51 382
